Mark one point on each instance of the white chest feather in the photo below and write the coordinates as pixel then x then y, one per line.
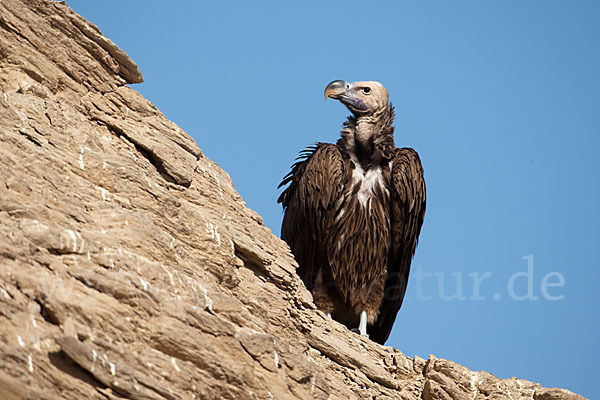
pixel 368 180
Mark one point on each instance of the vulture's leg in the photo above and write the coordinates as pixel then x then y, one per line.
pixel 362 325
pixel 329 315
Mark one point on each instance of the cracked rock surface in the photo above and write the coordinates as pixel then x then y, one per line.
pixel 131 268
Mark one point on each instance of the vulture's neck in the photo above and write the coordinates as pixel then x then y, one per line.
pixel 370 139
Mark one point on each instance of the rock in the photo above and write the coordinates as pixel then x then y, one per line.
pixel 131 267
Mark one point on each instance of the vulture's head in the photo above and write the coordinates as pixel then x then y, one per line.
pixel 361 98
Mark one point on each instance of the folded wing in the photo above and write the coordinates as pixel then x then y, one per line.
pixel 407 205
pixel 316 182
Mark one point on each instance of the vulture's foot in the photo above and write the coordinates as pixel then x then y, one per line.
pixel 355 330
pixel 362 326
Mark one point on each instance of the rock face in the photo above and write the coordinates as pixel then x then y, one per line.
pixel 130 266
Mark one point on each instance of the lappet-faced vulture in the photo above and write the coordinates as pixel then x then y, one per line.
pixel 353 213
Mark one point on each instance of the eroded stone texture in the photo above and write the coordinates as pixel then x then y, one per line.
pixel 130 266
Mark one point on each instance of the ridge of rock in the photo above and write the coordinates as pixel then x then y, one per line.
pixel 131 268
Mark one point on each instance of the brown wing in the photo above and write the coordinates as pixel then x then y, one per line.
pixel 407 198
pixel 316 182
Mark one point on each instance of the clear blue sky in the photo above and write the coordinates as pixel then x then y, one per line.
pixel 500 98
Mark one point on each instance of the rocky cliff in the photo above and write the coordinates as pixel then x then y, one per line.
pixel 131 268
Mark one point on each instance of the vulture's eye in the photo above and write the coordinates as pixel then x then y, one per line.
pixel 366 90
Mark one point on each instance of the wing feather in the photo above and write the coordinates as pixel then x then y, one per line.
pixel 407 206
pixel 315 181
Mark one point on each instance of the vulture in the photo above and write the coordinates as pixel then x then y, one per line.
pixel 353 213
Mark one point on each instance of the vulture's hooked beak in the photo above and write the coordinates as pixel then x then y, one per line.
pixel 335 89
pixel 342 91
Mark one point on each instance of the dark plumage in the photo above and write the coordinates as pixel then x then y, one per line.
pixel 353 213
